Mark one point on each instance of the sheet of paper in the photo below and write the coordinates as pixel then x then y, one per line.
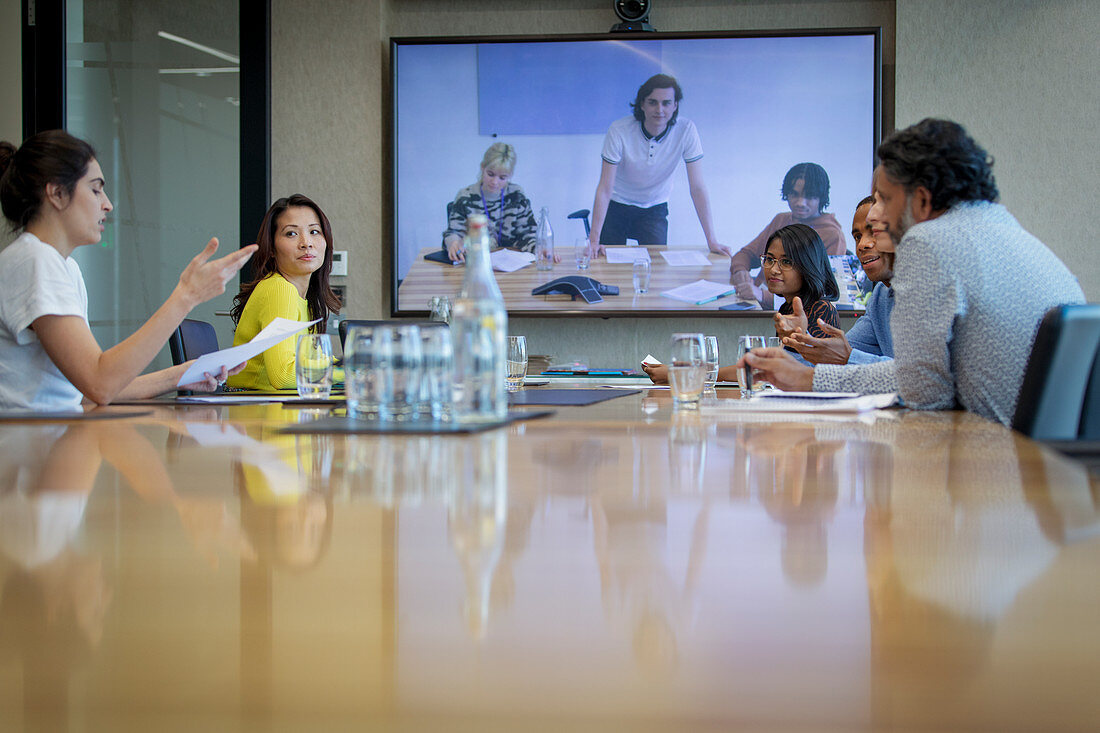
pixel 769 403
pixel 508 260
pixel 625 255
pixel 651 360
pixel 685 258
pixel 700 291
pixel 275 332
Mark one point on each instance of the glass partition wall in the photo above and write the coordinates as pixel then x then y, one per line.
pixel 154 85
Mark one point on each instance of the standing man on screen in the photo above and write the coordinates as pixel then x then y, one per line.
pixel 970 284
pixel 640 154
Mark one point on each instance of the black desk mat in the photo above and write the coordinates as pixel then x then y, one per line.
pixel 567 397
pixel 350 425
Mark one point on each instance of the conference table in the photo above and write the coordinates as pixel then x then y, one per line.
pixel 427 278
pixel 619 566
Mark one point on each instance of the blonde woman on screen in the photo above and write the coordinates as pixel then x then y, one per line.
pixel 52 192
pixel 511 221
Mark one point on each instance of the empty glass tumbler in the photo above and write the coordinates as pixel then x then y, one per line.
pixel 581 253
pixel 640 271
pixel 710 348
pixel 406 363
pixel 437 373
pixel 368 379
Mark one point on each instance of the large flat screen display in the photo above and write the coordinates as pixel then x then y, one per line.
pixel 560 113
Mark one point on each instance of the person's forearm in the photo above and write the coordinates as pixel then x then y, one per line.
pixel 599 212
pixel 727 373
pixel 701 200
pixel 152 384
pixel 115 368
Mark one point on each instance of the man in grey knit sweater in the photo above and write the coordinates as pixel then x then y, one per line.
pixel 970 284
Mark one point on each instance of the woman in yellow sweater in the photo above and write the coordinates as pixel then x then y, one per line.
pixel 292 268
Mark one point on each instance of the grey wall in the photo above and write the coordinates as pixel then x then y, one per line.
pixel 1021 76
pixel 329 108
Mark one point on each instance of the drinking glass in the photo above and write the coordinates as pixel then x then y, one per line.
pixel 687 370
pixel 710 356
pixel 745 344
pixel 368 376
pixel 517 362
pixel 440 307
pixel 774 342
pixel 641 275
pixel 405 364
pixel 436 374
pixel 580 253
pixel 313 365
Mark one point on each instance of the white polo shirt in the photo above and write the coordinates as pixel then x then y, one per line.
pixel 35 280
pixel 646 164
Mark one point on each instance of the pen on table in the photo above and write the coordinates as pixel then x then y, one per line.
pixel 716 297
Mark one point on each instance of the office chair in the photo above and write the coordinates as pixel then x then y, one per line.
pixel 191 340
pixel 348 323
pixel 582 214
pixel 1060 395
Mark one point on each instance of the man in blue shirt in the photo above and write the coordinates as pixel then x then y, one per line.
pixel 869 340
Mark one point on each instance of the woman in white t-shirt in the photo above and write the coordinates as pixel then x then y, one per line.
pixel 51 190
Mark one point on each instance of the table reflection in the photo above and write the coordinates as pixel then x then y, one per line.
pixel 661 567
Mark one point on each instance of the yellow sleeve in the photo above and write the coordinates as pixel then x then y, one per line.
pixel 272 298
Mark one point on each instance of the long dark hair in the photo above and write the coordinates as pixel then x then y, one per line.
pixel 319 295
pixel 803 246
pixel 53 156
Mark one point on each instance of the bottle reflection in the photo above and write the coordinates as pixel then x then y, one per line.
pixel 476 519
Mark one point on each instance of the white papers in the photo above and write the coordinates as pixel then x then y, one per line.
pixel 509 260
pixel 700 291
pixel 276 331
pixel 625 255
pixel 801 402
pixel 685 258
pixel 651 360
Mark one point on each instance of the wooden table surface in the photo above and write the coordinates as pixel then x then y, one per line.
pixel 613 567
pixel 426 279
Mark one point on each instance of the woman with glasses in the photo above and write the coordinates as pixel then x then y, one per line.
pixel 796 268
pixel 806 190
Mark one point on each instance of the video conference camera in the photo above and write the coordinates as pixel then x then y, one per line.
pixel 634 15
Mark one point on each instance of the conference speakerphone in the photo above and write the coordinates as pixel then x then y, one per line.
pixel 591 290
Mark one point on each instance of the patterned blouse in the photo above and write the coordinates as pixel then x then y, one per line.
pixel 511 222
pixel 822 309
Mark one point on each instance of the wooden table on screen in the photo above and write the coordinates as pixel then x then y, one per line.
pixel 614 567
pixel 426 279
